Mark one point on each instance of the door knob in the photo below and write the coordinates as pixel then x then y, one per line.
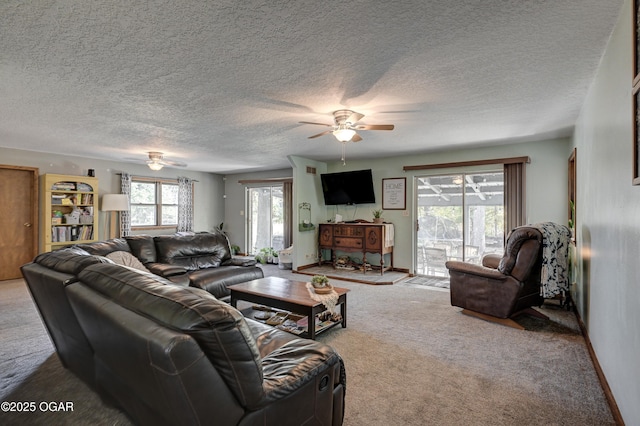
pixel 27 224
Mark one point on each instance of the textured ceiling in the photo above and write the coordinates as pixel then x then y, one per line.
pixel 222 85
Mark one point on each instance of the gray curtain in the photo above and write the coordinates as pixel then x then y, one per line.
pixel 514 196
pixel 185 205
pixel 125 216
pixel 287 194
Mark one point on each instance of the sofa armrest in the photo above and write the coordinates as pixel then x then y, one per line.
pixel 491 260
pixel 239 261
pixel 297 364
pixel 165 270
pixel 473 269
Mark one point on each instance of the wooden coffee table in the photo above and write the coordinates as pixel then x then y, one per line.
pixel 288 295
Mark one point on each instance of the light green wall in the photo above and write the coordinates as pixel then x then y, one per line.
pixel 546 178
pixel 235 211
pixel 546 192
pixel 209 203
pixel 307 189
pixel 608 221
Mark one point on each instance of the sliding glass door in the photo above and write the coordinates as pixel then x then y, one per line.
pixel 459 217
pixel 265 225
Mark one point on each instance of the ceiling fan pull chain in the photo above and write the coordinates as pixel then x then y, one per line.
pixel 344 163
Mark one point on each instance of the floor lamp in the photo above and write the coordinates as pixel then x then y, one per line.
pixel 114 203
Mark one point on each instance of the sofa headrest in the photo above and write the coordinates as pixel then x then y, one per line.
pixel 512 255
pixel 142 247
pixel 70 260
pixel 220 330
pixel 198 251
pixel 103 248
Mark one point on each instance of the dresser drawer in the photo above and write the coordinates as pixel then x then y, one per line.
pixel 349 231
pixel 347 242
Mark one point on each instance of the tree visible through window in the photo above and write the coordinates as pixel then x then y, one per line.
pixel 154 203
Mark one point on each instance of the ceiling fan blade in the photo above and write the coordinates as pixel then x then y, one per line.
pixel 320 134
pixel 374 127
pixel 354 117
pixel 356 138
pixel 172 163
pixel 319 124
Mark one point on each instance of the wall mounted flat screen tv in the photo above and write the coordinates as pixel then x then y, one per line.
pixel 354 187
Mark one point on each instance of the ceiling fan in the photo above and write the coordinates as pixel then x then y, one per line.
pixel 345 126
pixel 157 161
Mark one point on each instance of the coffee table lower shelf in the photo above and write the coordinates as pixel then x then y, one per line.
pixel 290 296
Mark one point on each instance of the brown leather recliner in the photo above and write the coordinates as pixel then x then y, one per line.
pixel 501 288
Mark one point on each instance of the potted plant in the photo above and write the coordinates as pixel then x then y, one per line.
pixel 235 249
pixel 319 281
pixel 267 255
pixel 263 255
pixel 377 216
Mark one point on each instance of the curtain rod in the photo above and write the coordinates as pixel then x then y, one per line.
pixel 157 178
pixel 511 160
pixel 266 180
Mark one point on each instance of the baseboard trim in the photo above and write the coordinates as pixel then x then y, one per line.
pixel 303 267
pixel 613 406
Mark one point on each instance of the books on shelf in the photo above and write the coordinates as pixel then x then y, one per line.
pixel 84 187
pixel 64 186
pixel 61 234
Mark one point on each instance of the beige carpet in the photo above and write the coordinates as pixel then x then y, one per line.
pixel 411 359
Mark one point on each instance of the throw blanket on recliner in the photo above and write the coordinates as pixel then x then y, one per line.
pixel 555 254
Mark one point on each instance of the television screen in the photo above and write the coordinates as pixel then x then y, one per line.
pixel 354 187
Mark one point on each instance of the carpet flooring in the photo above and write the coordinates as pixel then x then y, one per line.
pixel 411 359
pixel 437 282
pixel 371 277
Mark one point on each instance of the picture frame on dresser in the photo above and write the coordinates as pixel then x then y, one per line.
pixel 394 193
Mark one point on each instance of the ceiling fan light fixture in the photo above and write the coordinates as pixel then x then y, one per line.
pixel 344 134
pixel 155 166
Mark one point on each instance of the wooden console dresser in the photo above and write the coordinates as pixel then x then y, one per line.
pixel 357 237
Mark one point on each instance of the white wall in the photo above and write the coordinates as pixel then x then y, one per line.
pixel 209 201
pixel 608 222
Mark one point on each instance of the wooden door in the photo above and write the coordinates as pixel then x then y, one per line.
pixel 18 219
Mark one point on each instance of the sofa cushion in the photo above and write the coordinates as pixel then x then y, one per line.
pixel 69 260
pixel 515 240
pixel 220 330
pixel 127 259
pixel 203 250
pixel 142 247
pixel 216 280
pixel 103 248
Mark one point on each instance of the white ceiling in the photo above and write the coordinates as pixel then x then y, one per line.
pixel 222 85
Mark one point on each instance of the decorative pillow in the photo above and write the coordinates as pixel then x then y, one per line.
pixel 127 259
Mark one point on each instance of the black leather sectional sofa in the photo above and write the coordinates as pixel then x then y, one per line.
pixel 167 353
pixel 201 260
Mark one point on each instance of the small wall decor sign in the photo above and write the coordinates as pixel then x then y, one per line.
pixel 394 193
